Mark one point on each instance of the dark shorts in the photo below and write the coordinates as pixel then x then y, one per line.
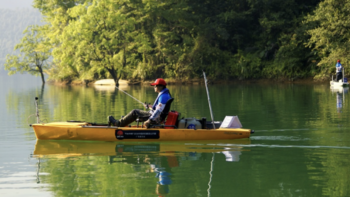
pixel 339 76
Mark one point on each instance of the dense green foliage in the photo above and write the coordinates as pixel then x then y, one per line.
pixel 94 39
pixel 330 35
pixel 238 39
pixel 13 23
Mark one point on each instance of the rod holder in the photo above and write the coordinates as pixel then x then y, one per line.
pixel 37 110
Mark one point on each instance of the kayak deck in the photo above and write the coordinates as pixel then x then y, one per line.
pixel 103 132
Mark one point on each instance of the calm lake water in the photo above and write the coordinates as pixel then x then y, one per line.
pixel 301 144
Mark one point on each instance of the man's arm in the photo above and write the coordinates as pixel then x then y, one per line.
pixel 159 108
pixel 155 115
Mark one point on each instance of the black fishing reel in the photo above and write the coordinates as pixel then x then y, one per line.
pixel 147 105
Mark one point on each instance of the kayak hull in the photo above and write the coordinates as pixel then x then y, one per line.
pixel 339 84
pixel 88 132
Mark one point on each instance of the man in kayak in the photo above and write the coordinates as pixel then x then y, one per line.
pixel 338 68
pixel 152 116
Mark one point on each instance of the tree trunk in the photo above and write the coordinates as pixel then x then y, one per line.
pixel 42 77
pixel 41 73
pixel 116 80
pixel 114 75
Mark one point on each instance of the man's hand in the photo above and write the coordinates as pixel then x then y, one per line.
pixel 147 106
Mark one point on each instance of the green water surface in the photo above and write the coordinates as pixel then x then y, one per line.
pixel 301 144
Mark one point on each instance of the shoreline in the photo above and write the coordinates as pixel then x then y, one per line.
pixel 198 81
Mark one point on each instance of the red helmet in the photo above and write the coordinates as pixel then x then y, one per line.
pixel 338 60
pixel 159 81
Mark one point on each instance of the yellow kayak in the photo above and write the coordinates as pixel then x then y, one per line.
pixel 94 132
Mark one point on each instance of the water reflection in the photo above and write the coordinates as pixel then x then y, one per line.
pixel 340 95
pixel 63 149
pixel 231 156
pixel 300 147
pixel 105 88
pixel 147 164
pixel 110 88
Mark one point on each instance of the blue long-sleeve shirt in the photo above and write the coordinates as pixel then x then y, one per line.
pixel 159 103
pixel 338 67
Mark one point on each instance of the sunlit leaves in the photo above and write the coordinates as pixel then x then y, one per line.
pixel 330 35
pixel 144 39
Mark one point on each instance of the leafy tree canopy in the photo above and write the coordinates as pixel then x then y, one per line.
pixel 144 39
pixel 34 52
pixel 329 34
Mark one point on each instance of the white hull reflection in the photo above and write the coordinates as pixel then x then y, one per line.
pixel 108 85
pixel 339 89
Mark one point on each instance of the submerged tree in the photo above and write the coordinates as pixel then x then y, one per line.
pixel 33 54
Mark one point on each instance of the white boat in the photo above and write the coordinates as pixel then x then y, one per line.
pixel 341 83
pixel 110 82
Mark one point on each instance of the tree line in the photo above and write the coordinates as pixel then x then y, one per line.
pixel 146 39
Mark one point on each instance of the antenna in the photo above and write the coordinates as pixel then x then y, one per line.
pixel 211 111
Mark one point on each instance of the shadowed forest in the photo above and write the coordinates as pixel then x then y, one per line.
pixel 230 40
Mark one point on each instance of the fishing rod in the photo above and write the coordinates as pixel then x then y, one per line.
pixel 144 104
pixel 211 111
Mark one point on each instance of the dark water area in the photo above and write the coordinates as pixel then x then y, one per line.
pixel 300 146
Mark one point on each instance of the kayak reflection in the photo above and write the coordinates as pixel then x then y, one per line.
pixel 63 149
pixel 160 159
pixel 340 95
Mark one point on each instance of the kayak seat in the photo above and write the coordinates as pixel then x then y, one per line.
pixel 164 115
pixel 166 110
